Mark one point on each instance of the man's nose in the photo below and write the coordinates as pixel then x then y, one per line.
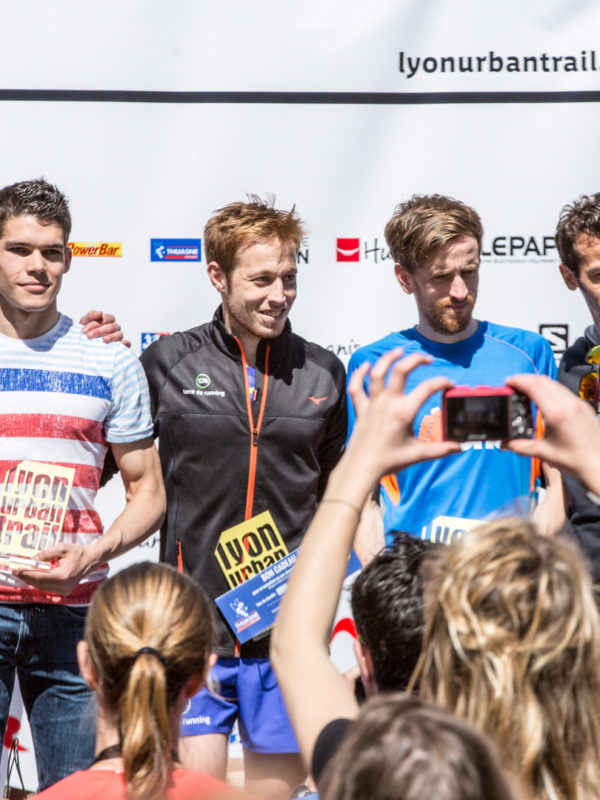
pixel 36 262
pixel 276 294
pixel 458 288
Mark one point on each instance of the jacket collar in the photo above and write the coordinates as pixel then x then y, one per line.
pixel 228 344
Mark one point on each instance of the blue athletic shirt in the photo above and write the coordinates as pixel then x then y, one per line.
pixel 440 499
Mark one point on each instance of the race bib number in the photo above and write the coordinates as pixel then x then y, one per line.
pixel 33 504
pixel 248 548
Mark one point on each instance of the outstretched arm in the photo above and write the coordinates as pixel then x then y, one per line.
pixel 382 442
pixel 139 466
pixel 572 437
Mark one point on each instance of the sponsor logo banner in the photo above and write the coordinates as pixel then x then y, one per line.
pixel 97 249
pixel 303 251
pixel 491 62
pixel 149 337
pixel 348 250
pixel 557 336
pixel 519 248
pixel 373 250
pixel 175 250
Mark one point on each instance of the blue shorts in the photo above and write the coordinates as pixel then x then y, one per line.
pixel 246 688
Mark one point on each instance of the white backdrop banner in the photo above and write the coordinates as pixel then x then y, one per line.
pixel 151 115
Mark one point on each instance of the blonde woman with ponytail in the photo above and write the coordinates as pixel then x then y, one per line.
pixel 146 651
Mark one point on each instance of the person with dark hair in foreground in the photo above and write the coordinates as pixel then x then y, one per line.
pixel 147 650
pixel 400 747
pixel 388 611
pixel 389 614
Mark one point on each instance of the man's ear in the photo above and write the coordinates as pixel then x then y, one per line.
pixel 365 665
pixel 217 277
pixel 569 277
pixel 68 257
pixel 87 669
pixel 404 278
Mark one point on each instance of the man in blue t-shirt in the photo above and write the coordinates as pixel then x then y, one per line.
pixel 436 244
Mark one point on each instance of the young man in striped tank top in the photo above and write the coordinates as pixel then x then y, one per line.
pixel 64 400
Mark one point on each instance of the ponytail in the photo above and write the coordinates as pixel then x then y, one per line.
pixel 144 729
pixel 149 630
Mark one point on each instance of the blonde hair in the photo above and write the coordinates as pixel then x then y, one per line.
pixel 240 225
pixel 512 644
pixel 147 606
pixel 403 747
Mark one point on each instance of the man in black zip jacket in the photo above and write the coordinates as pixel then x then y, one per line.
pixel 578 243
pixel 251 419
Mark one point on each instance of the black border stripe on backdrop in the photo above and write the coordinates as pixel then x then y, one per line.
pixel 306 98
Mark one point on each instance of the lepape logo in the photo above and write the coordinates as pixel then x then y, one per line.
pixel 97 249
pixel 519 247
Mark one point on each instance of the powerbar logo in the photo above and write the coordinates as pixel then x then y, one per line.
pixel 586 61
pixel 175 250
pixel 97 249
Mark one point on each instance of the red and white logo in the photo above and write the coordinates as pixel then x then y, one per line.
pixel 348 250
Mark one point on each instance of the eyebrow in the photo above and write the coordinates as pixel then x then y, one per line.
pixel 447 270
pixel 17 243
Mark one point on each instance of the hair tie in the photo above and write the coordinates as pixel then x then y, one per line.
pixel 152 651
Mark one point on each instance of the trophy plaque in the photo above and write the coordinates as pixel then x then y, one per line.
pixel 33 504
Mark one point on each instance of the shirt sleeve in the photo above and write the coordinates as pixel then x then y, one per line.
pixel 546 362
pixel 332 447
pixel 129 418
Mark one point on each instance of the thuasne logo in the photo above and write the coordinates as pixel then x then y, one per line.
pixel 175 250
pixel 348 250
pixel 97 249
